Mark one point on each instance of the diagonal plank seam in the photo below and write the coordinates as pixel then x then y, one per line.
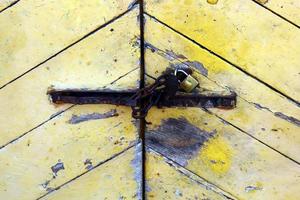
pixel 58 113
pixel 94 167
pixel 70 45
pixel 189 174
pixel 280 115
pixel 10 5
pixel 248 134
pixel 39 125
pixel 277 14
pixel 227 61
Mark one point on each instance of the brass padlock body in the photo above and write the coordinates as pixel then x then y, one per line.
pixel 188 83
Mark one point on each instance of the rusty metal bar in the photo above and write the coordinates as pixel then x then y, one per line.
pixel 181 99
pixel 93 97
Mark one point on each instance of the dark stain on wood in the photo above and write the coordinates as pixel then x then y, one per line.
pixel 177 139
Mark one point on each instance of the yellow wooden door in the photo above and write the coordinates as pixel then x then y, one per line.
pixel 67 151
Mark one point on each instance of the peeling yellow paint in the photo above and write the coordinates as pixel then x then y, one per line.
pixel 230 159
pixel 112 180
pixel 27 162
pixel 57 151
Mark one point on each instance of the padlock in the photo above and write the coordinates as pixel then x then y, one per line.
pixel 188 83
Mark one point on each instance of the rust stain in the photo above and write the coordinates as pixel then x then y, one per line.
pixel 76 119
pixel 177 139
pixel 136 164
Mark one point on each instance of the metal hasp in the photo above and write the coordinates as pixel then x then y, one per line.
pixel 181 99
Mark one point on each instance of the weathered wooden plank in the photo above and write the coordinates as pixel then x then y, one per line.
pixel 276 124
pixel 222 154
pixel 100 60
pixel 288 9
pixel 116 179
pixel 34 30
pixel 166 180
pixel 242 32
pixel 4 4
pixel 67 146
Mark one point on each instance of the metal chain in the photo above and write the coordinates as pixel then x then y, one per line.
pixel 148 97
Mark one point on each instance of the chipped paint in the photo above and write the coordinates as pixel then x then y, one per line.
pixel 113 179
pixel 88 164
pixel 57 167
pixel 198 66
pixel 257 123
pixel 177 139
pixel 133 4
pixel 101 72
pixel 136 164
pixel 291 119
pixel 252 188
pixel 76 119
pixel 182 61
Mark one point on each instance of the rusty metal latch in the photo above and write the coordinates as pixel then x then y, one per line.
pixel 174 88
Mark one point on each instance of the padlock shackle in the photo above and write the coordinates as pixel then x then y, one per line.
pixel 180 70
